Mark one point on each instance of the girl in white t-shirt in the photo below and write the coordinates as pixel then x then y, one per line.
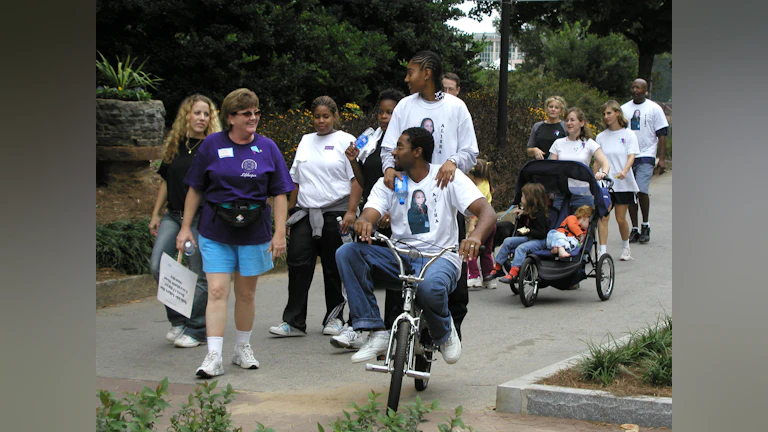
pixel 326 188
pixel 578 146
pixel 620 146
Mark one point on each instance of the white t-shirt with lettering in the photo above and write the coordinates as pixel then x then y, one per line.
pixel 644 120
pixel 429 225
pixel 321 169
pixel 580 151
pixel 617 146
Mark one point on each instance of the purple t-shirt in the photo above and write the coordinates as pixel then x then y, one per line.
pixel 224 171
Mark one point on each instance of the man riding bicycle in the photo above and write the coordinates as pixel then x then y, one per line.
pixel 426 222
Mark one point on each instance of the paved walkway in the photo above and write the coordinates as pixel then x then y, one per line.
pixel 304 381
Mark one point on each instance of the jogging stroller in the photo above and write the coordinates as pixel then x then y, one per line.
pixel 542 268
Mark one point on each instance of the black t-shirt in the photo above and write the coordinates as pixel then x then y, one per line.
pixel 174 173
pixel 371 171
pixel 546 134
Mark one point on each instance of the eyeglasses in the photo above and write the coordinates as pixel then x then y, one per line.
pixel 248 114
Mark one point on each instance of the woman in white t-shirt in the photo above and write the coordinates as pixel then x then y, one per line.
pixel 326 188
pixel 578 146
pixel 620 147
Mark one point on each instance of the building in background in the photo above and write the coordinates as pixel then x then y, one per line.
pixel 489 58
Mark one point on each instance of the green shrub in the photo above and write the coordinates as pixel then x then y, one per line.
pixel 124 245
pixel 137 94
pixel 603 362
pixel 134 412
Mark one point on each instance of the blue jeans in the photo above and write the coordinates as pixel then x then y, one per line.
pixel 165 241
pixel 358 262
pixel 508 248
pixel 523 249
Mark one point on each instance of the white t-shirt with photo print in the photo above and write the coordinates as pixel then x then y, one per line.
pixel 644 120
pixel 440 229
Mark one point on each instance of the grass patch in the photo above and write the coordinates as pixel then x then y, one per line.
pixel 642 366
pixel 124 245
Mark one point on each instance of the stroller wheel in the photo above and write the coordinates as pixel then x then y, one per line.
pixel 604 276
pixel 528 282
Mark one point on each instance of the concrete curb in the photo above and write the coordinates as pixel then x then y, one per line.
pixel 115 291
pixel 522 396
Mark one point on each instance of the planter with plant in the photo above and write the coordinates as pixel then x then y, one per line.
pixel 129 124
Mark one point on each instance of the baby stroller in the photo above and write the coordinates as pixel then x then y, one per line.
pixel 542 268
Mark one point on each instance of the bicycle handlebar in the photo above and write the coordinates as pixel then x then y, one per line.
pixel 413 254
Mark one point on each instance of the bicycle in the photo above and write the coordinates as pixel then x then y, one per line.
pixel 410 351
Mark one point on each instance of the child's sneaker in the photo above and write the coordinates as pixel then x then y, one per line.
pixel 510 277
pixel 475 282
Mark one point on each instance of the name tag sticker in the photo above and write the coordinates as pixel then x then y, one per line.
pixel 226 152
pixel 329 147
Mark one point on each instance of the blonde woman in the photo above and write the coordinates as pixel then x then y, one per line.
pixel 195 120
pixel 544 133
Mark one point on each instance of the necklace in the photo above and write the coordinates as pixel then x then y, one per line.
pixel 189 150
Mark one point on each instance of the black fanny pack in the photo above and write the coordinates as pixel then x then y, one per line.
pixel 238 213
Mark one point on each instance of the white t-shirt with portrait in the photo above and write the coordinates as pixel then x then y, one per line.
pixel 579 151
pixel 617 146
pixel 439 229
pixel 321 169
pixel 449 121
pixel 644 120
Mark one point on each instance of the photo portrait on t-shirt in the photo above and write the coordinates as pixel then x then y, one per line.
pixel 635 121
pixel 429 125
pixel 418 215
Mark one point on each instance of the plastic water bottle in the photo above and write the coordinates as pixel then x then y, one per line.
pixel 363 139
pixel 401 189
pixel 189 248
pixel 345 238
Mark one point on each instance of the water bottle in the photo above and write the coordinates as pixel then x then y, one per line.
pixel 189 248
pixel 345 238
pixel 401 189
pixel 362 140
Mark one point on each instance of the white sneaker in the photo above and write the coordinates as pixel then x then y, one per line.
pixel 173 333
pixel 349 338
pixel 211 366
pixel 490 284
pixel 375 345
pixel 333 328
pixel 286 330
pixel 625 254
pixel 475 282
pixel 451 349
pixel 187 341
pixel 244 358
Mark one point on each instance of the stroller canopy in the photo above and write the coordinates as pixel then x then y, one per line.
pixel 554 175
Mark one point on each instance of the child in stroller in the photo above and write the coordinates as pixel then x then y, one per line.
pixel 571 232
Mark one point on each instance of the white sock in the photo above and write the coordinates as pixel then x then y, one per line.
pixel 635 229
pixel 625 244
pixel 380 333
pixel 215 343
pixel 242 337
pixel 603 249
pixel 646 224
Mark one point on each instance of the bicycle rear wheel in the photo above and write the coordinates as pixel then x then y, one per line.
pixel 401 354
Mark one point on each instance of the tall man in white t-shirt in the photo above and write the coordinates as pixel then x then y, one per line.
pixel 427 222
pixel 648 122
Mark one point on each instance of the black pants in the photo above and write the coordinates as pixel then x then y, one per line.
pixel 302 257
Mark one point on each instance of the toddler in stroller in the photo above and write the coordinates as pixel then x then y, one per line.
pixel 571 232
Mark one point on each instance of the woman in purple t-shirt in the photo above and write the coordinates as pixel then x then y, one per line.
pixel 236 170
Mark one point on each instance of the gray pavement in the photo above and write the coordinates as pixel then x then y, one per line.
pixel 502 340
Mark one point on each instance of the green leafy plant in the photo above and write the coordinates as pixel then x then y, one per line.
pixel 135 412
pixel 127 75
pixel 658 368
pixel 604 362
pixel 124 245
pixel 371 417
pixel 205 410
pixel 125 94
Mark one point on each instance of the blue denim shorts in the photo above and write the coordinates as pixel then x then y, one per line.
pixel 249 260
pixel 643 173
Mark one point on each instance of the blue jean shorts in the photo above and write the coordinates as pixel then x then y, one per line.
pixel 643 172
pixel 248 260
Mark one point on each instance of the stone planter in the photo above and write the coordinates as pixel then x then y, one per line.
pixel 128 134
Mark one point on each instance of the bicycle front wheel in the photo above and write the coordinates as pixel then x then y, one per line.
pixel 400 357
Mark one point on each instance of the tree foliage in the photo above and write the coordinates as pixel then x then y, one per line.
pixel 646 23
pixel 288 52
pixel 607 62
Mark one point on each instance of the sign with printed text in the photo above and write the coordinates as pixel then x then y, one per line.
pixel 176 285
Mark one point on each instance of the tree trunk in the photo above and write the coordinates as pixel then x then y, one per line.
pixel 645 64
